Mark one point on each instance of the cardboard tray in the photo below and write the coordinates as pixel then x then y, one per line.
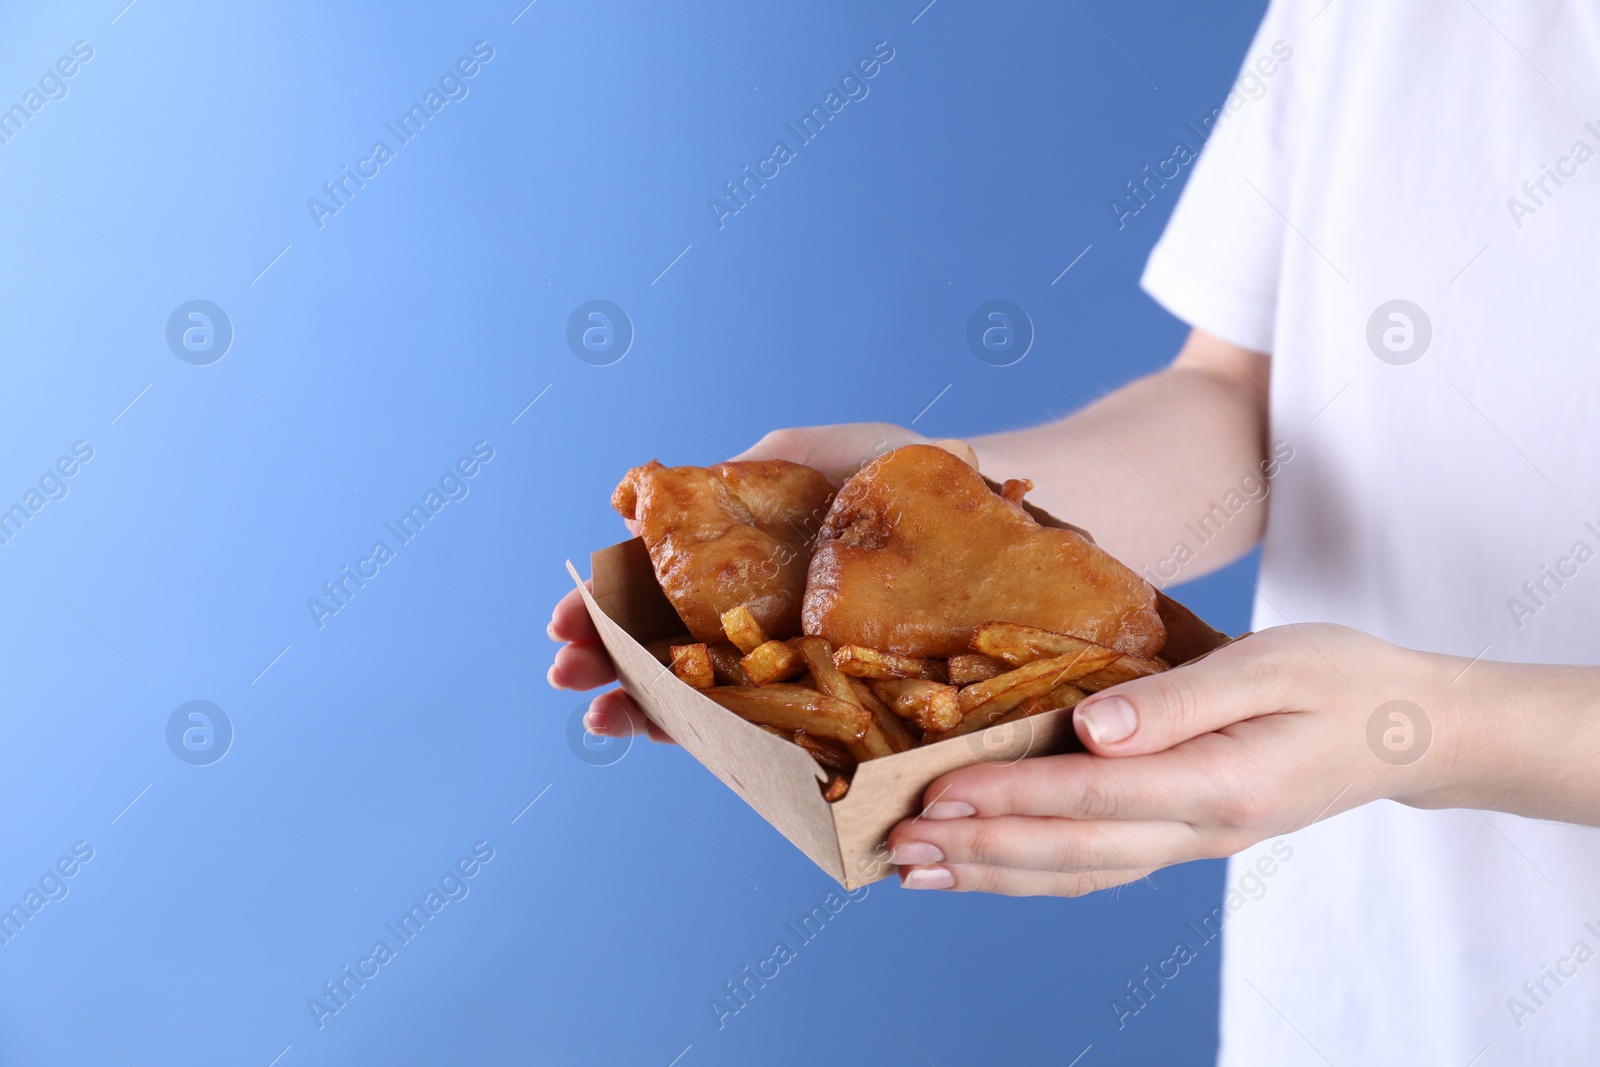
pixel 779 779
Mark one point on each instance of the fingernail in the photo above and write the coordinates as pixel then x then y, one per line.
pixel 550 629
pixel 949 809
pixel 594 722
pixel 550 676
pixel 1109 721
pixel 915 852
pixel 928 878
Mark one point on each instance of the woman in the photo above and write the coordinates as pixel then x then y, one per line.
pixel 1387 254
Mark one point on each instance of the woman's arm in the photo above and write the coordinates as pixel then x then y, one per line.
pixel 1261 738
pixel 1137 465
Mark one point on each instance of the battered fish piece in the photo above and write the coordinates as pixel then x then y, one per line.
pixel 917 552
pixel 734 534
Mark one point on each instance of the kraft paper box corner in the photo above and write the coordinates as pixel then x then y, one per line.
pixel 779 779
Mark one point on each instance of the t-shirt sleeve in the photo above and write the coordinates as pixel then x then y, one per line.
pixel 1217 263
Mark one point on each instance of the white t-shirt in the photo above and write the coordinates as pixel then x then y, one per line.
pixel 1438 493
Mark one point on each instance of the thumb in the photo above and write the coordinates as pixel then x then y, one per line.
pixel 1155 713
pixel 846 447
pixel 835 450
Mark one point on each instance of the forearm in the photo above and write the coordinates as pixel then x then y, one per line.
pixel 1526 740
pixel 1152 466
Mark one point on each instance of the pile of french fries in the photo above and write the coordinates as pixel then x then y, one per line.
pixel 850 704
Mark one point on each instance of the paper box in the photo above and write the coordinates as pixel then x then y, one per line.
pixel 779 779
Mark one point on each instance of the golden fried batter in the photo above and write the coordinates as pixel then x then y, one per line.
pixel 917 552
pixel 733 534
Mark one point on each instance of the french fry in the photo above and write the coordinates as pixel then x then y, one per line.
pixel 1062 696
pixel 692 664
pixel 861 662
pixel 998 695
pixel 931 705
pixel 982 720
pixel 969 667
pixel 1019 645
pixel 894 728
pixel 789 707
pixel 772 661
pixel 818 656
pixel 725 664
pixel 828 753
pixel 743 629
pixel 1125 669
pixel 836 788
pixel 662 649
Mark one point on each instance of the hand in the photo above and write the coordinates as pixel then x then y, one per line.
pixel 1260 738
pixel 843 448
pixel 581 661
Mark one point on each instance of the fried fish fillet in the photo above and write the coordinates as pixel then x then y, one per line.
pixel 917 552
pixel 735 534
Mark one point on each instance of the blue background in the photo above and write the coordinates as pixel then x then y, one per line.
pixel 424 317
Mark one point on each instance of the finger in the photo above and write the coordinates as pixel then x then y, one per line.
pixel 959 449
pixel 1177 785
pixel 1064 846
pixel 1150 714
pixel 615 714
pixel 581 667
pixel 831 448
pixel 975 878
pixel 570 621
